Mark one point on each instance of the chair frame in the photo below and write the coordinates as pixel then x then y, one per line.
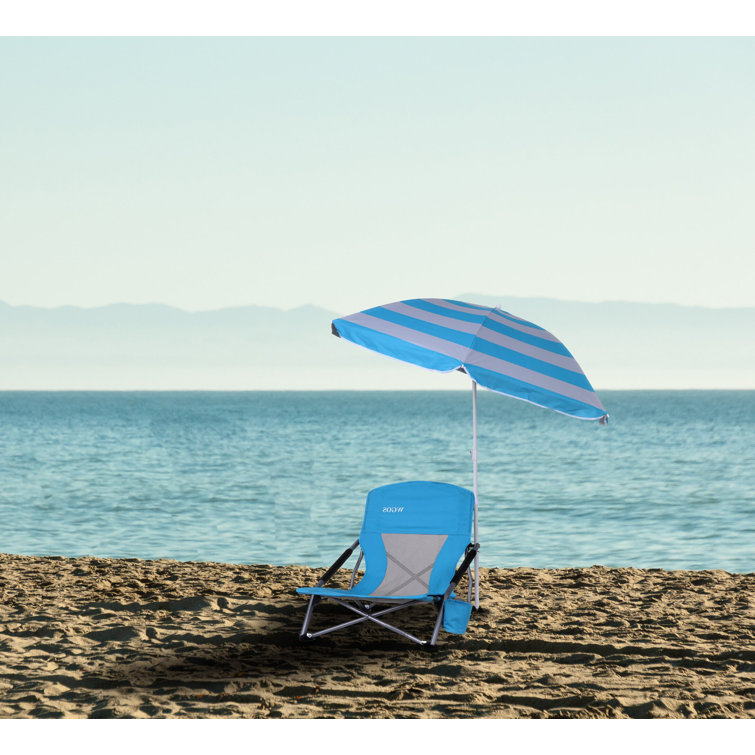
pixel 366 610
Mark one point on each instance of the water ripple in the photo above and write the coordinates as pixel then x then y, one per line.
pixel 281 477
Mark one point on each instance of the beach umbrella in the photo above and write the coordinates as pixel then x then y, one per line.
pixel 498 350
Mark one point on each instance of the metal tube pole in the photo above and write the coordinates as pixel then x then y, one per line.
pixel 474 490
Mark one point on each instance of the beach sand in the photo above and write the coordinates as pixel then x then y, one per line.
pixel 96 637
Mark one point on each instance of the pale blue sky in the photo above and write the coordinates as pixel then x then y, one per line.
pixel 345 172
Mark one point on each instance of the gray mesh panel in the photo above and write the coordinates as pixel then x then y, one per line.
pixel 410 562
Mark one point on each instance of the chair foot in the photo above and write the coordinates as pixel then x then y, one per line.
pixel 306 638
pixel 429 647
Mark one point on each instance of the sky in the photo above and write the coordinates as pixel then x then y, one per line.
pixel 350 171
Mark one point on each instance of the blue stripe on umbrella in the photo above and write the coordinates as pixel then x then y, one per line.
pixel 507 330
pixel 554 346
pixel 533 394
pixel 395 347
pixel 482 346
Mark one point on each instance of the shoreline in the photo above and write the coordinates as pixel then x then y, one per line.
pixel 98 637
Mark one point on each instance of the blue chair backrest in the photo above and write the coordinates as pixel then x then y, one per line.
pixel 413 535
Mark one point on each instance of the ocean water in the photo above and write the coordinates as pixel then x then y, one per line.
pixel 281 477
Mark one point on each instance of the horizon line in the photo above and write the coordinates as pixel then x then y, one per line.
pixel 330 309
pixel 338 390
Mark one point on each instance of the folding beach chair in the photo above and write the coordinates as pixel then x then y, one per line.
pixel 412 538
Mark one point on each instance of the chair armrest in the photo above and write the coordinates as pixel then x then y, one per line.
pixel 340 561
pixel 472 550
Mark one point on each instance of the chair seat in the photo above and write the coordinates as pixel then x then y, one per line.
pixel 356 594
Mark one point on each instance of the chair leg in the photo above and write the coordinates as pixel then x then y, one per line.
pixel 438 622
pixel 308 617
pixel 370 616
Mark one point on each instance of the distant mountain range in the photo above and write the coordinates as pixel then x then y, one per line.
pixel 154 346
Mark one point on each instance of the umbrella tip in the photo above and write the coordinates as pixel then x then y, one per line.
pixel 603 420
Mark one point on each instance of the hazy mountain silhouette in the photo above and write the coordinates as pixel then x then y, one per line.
pixel 154 346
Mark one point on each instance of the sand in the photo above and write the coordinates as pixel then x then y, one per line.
pixel 98 638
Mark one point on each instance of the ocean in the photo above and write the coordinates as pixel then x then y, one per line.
pixel 281 477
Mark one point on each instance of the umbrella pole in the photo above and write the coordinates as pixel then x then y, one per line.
pixel 474 489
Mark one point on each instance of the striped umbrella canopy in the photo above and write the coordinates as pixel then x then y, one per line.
pixel 498 350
